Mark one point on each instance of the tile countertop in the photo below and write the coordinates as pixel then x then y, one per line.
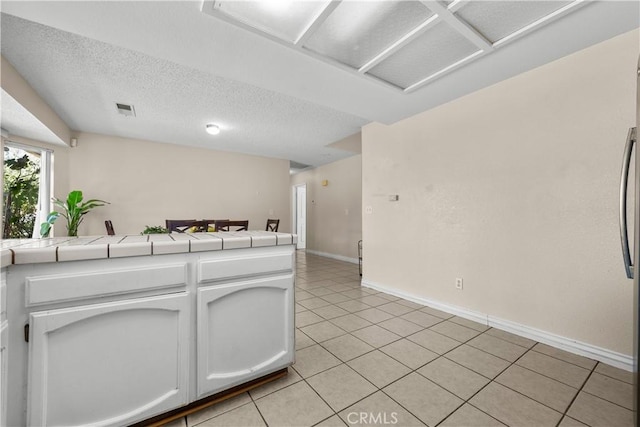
pixel 58 249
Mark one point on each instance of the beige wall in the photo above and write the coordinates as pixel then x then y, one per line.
pixel 334 219
pixel 148 182
pixel 352 143
pixel 514 188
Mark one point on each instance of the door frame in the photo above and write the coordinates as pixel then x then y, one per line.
pixel 294 211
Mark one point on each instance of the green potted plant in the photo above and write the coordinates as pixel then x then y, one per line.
pixel 73 209
pixel 154 229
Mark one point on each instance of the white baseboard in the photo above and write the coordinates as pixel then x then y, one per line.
pixel 600 354
pixel 334 256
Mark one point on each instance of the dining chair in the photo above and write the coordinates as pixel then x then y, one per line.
pixel 273 224
pixel 211 223
pixel 109 227
pixel 185 225
pixel 224 225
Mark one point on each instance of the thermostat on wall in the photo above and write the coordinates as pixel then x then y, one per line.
pixel 394 197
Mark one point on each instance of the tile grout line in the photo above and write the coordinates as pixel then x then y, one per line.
pixel 491 380
pixel 377 388
pixel 411 371
pixel 581 389
pixel 565 414
pixel 257 408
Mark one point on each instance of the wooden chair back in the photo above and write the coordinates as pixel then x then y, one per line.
pixel 273 224
pixel 109 227
pixel 225 225
pixel 211 223
pixel 185 225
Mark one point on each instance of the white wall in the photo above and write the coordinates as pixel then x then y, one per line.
pixel 147 182
pixel 515 189
pixel 334 219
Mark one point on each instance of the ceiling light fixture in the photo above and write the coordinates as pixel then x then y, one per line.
pixel 212 129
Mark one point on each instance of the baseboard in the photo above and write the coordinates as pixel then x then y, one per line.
pixel 600 354
pixel 333 256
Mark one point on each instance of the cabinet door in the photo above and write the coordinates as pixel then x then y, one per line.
pixel 245 330
pixel 4 339
pixel 108 364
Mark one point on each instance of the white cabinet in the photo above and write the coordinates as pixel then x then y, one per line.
pixel 109 364
pixel 4 337
pixel 245 329
pixel 117 341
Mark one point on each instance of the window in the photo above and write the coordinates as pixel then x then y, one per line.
pixel 27 189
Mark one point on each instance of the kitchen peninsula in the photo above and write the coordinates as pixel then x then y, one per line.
pixel 113 330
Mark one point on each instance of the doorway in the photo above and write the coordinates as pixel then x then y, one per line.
pixel 300 214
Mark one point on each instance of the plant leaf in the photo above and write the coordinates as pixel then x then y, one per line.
pixel 97 200
pixel 83 209
pixel 45 229
pixel 53 215
pixel 74 198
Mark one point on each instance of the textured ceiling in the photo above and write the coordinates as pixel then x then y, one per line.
pixel 82 79
pixel 181 68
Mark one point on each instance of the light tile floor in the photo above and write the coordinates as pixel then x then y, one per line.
pixel 368 358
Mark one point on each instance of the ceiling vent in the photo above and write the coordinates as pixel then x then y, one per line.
pixel 126 109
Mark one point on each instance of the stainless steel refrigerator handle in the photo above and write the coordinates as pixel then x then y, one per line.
pixel 624 181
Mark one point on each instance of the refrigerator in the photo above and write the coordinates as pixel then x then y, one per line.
pixel 630 232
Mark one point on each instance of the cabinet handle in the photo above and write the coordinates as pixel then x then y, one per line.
pixel 26 332
pixel 624 180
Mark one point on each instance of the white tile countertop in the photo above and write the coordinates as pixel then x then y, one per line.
pixel 58 249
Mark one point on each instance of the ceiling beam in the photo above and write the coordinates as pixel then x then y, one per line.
pixel 18 88
pixel 403 41
pixel 315 24
pixel 437 74
pixel 544 20
pixel 460 26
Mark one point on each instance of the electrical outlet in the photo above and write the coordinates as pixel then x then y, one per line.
pixel 459 283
